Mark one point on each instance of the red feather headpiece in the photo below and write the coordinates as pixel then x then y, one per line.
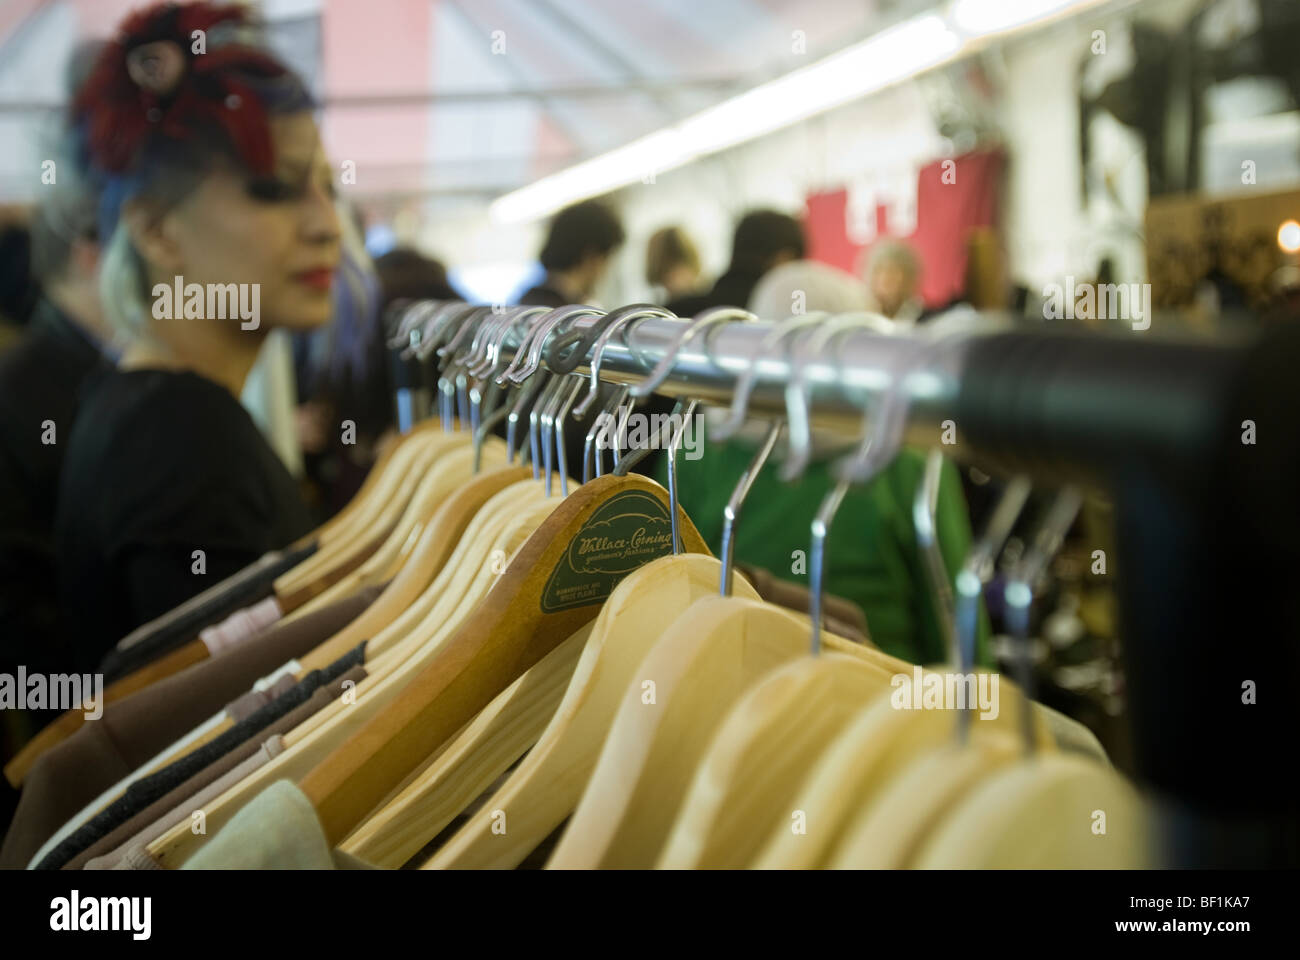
pixel 174 69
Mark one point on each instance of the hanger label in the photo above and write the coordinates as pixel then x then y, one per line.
pixel 625 532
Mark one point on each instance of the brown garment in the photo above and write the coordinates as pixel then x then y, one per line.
pixel 134 854
pixel 70 722
pixel 207 598
pixel 243 707
pixel 114 845
pixel 844 618
pixel 136 729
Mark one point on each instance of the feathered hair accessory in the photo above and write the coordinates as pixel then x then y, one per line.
pixel 174 70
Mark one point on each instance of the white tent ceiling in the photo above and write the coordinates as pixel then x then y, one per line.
pixel 467 97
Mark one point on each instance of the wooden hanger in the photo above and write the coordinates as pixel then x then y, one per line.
pixel 453 593
pixel 344 557
pixel 463 582
pixel 351 518
pixel 597 535
pixel 743 788
pixel 323 655
pixel 444 593
pixel 332 726
pixel 702 664
pixel 500 734
pixel 448 472
pixel 888 829
pixel 879 742
pixel 373 523
pixel 360 520
pixel 345 517
pixel 468 587
pixel 1044 813
pixel 17 769
pixel 439 539
pixel 546 787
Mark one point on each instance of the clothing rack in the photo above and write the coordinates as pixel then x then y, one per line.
pixel 1208 531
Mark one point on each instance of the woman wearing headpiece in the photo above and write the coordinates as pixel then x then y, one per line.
pixel 219 224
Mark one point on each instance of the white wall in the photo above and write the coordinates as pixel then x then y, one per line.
pixel 1047 231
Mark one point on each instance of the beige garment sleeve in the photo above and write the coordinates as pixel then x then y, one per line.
pixel 277 830
pixel 132 855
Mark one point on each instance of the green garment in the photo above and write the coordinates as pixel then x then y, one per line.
pixel 872 556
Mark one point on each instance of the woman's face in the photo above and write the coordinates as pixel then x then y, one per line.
pixel 280 232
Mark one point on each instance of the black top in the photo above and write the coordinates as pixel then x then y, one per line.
pixel 732 289
pixel 543 296
pixel 39 380
pixel 160 465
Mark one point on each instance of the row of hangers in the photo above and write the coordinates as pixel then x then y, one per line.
pixel 640 699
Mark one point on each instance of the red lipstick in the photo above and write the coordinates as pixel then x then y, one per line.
pixel 316 279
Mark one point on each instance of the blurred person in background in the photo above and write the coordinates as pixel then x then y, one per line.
pixel 18 289
pixel 872 555
pixel 341 373
pixel 40 378
pixel 213 177
pixel 672 264
pixel 407 274
pixel 580 241
pixel 763 239
pixel 893 277
pixel 791 287
pixel 343 368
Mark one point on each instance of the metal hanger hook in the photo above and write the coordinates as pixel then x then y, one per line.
pixel 617 322
pixel 702 322
pixel 1020 594
pixel 745 386
pixel 880 445
pixel 596 430
pixel 492 349
pixel 527 360
pixel 731 512
pixel 798 392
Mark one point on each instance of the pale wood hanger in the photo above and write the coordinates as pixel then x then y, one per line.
pixel 868 753
pixel 330 727
pixel 1043 813
pixel 888 829
pixel 497 737
pixel 446 594
pixel 323 733
pixel 449 472
pixel 743 788
pixel 346 517
pixel 438 541
pixel 546 787
pixel 702 664
pixel 501 639
pixel 373 524
pixel 455 591
pixel 469 586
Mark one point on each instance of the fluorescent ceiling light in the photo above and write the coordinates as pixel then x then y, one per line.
pixel 885 58
pixel 898 53
pixel 979 18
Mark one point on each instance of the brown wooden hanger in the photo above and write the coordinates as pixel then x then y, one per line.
pixel 556 584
